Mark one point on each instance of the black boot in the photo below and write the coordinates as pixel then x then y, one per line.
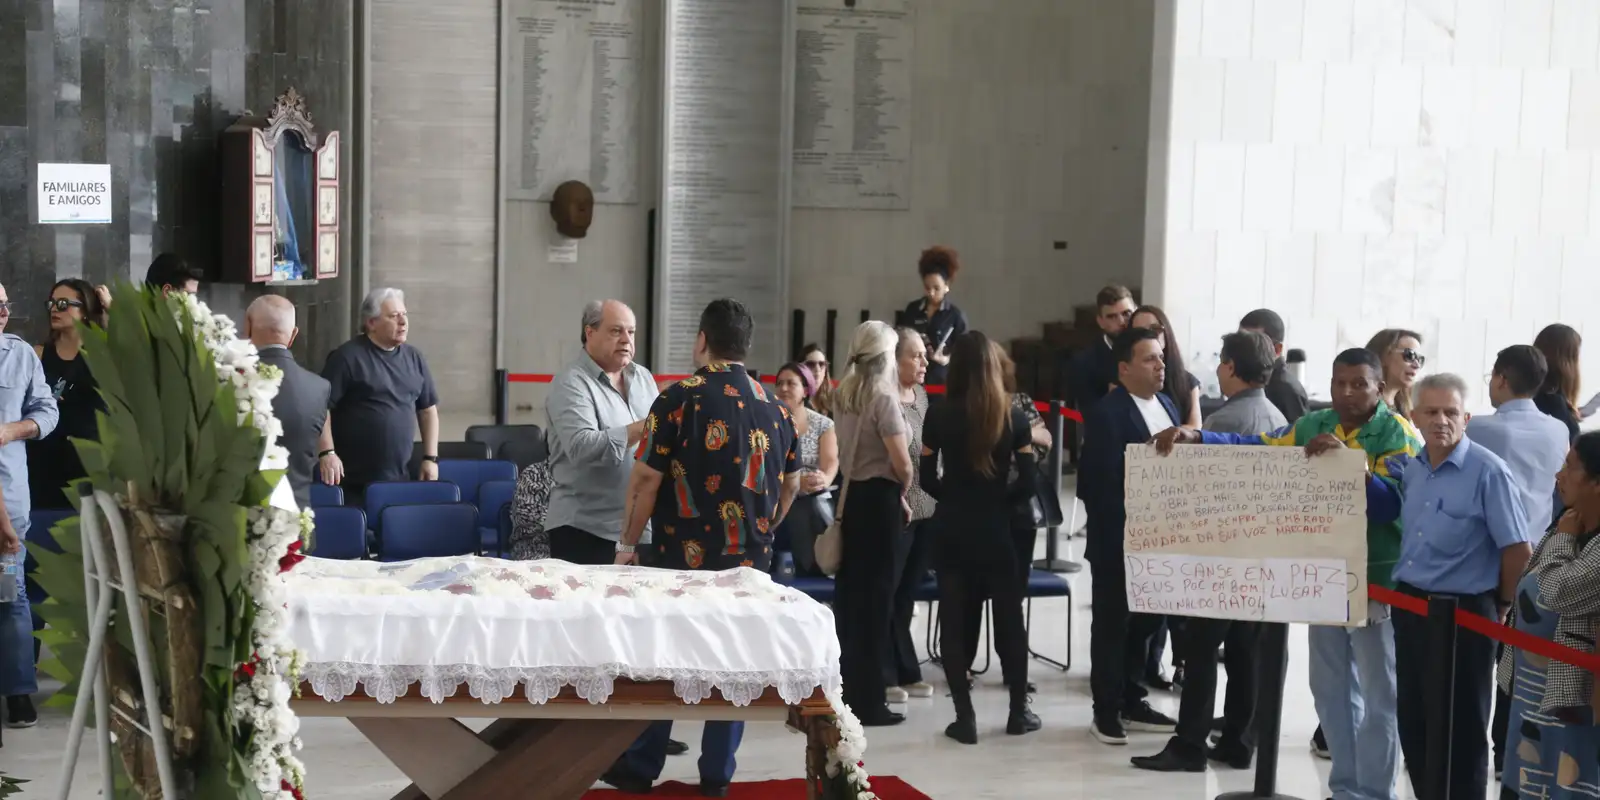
pixel 965 728
pixel 1022 719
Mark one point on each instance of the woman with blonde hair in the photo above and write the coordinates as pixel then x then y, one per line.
pixel 1558 397
pixel 876 465
pixel 981 436
pixel 1400 351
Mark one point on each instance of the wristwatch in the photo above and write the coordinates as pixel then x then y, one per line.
pixel 434 459
pixel 624 548
pixel 325 453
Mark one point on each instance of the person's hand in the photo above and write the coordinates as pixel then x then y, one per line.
pixel 6 436
pixel 104 293
pixel 10 542
pixel 429 471
pixel 941 356
pixel 625 559
pixel 1167 439
pixel 332 469
pixel 812 482
pixel 905 508
pixel 1324 443
pixel 1570 523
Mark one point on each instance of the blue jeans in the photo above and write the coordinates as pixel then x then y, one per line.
pixel 1353 686
pixel 648 754
pixel 17 675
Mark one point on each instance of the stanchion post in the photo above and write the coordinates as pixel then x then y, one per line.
pixel 1440 700
pixel 1055 418
pixel 502 396
pixel 1272 660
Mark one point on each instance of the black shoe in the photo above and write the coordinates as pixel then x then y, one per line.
pixel 713 789
pixel 1021 721
pixel 1141 717
pixel 881 718
pixel 625 781
pixel 963 730
pixel 20 713
pixel 676 748
pixel 1232 752
pixel 1173 758
pixel 1108 730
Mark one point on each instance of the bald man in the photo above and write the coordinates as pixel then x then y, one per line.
pixel 302 401
pixel 596 408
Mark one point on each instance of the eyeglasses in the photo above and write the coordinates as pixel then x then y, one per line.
pixel 62 304
pixel 1413 357
pixel 817 364
pixel 5 306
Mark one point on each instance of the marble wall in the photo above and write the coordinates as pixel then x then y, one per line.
pixel 1358 164
pixel 146 86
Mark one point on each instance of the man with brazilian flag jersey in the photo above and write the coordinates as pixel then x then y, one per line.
pixel 1352 669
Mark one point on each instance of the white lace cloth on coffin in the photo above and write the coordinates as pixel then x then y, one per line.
pixel 491 625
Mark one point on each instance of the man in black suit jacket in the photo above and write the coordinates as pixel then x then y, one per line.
pixel 302 401
pixel 1130 414
pixel 1093 369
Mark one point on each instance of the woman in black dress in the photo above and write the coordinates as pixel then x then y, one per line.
pixel 934 316
pixel 1561 346
pixel 981 436
pixel 53 461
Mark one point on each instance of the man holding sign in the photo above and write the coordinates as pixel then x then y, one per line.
pixel 1352 669
pixel 1247 363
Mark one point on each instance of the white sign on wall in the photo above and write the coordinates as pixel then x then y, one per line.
pixel 74 193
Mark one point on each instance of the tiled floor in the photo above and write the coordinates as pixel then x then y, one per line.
pixel 1061 762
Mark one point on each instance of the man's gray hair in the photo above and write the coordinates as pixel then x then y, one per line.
pixel 591 319
pixel 1442 380
pixel 372 305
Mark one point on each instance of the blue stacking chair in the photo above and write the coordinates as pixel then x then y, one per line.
pixel 40 521
pixel 341 533
pixel 470 474
pixel 504 530
pixel 323 495
pixel 424 531
pixel 388 493
pixel 1049 584
pixel 492 497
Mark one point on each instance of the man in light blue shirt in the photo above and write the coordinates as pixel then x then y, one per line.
pixel 1464 534
pixel 596 408
pixel 1533 444
pixel 27 411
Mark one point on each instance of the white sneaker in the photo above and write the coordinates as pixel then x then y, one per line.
pixel 919 689
pixel 895 694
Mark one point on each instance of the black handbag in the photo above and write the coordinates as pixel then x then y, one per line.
pixel 808 517
pixel 1042 510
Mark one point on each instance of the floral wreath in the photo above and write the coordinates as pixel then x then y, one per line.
pixel 845 775
pixel 266 734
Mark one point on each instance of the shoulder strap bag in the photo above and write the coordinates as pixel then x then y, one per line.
pixel 830 545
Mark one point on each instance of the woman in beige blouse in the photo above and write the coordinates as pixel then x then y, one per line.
pixel 876 462
pixel 904 673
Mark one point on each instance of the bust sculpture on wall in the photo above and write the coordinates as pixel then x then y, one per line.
pixel 572 207
pixel 280 196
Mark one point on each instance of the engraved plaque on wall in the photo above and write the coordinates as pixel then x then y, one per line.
pixel 852 104
pixel 573 95
pixel 725 183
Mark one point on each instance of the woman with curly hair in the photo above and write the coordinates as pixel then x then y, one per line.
pixel 934 316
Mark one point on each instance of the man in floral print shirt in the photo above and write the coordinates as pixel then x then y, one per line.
pixel 714 474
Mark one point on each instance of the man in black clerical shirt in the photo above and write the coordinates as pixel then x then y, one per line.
pixel 382 394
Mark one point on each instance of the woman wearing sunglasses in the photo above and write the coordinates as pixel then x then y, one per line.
pixel 1401 351
pixel 812 358
pixel 53 461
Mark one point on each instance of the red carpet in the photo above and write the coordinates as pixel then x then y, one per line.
pixel 887 788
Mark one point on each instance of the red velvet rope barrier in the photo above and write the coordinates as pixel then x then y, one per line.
pixel 1494 630
pixel 531 377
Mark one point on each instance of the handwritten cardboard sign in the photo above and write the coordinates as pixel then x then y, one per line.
pixel 1252 533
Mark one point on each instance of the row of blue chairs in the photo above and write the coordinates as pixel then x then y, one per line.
pixel 352 532
pixel 470 476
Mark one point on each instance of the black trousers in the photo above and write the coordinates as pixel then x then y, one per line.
pixel 1117 639
pixel 1022 542
pixel 1198 649
pixel 863 601
pixel 912 558
pixel 1469 734
pixel 579 546
pixel 968 576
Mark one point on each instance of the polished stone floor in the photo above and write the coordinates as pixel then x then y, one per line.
pixel 1060 762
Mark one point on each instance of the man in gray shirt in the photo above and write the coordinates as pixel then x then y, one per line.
pixel 596 408
pixel 1247 363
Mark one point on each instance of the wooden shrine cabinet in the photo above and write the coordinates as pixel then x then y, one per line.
pixel 280 197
